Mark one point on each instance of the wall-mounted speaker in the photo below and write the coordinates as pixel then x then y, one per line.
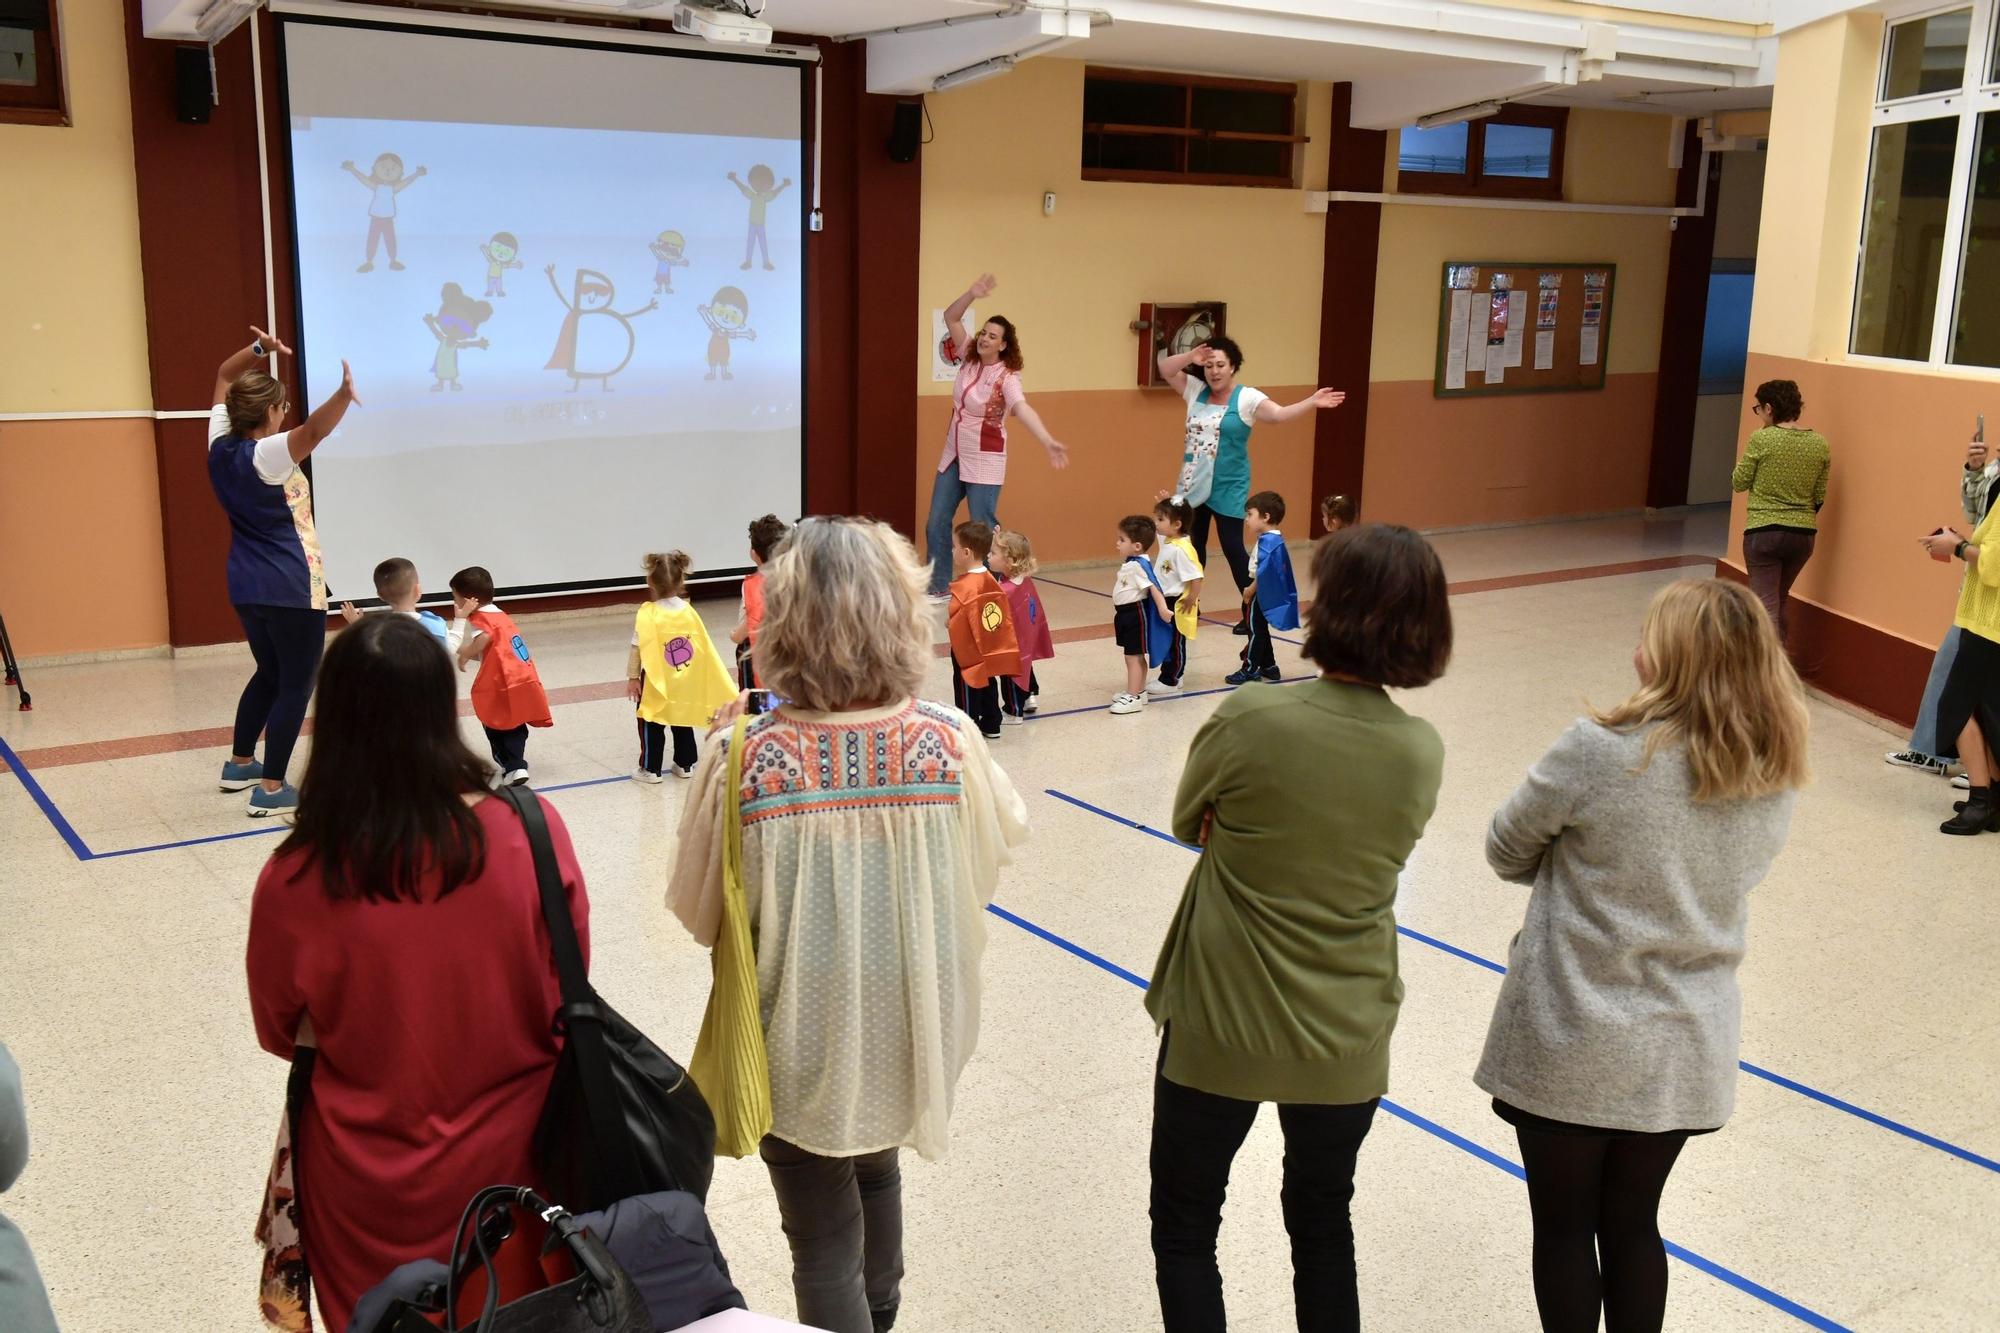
pixel 906 132
pixel 192 93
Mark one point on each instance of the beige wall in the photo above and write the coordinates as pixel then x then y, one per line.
pixel 79 499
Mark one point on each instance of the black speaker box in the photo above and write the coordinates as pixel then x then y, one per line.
pixel 907 132
pixel 192 100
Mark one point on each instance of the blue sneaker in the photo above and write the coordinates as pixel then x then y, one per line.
pixel 235 777
pixel 1250 675
pixel 284 801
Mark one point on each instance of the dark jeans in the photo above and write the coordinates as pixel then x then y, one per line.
pixel 510 748
pixel 844 1219
pixel 1195 1138
pixel 1773 557
pixel 1260 652
pixel 1014 699
pixel 981 703
pixel 1228 531
pixel 1596 1204
pixel 286 642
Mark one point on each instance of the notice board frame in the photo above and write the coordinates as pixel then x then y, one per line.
pixel 1569 376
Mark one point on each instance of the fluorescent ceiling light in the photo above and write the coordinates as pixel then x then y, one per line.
pixel 1459 114
pixel 985 69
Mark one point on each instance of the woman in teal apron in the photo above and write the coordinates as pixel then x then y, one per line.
pixel 1215 460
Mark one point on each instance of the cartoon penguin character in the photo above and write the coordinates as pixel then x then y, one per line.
pixel 596 341
pixel 728 318
pixel 455 325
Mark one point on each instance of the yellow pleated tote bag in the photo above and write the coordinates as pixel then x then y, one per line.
pixel 729 1064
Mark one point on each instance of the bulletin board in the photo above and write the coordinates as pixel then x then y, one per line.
pixel 1523 328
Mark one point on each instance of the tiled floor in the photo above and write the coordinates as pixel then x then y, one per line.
pixel 1868 999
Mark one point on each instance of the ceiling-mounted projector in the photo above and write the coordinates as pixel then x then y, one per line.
pixel 724 27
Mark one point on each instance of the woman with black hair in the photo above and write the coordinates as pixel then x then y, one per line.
pixel 399 930
pixel 1784 467
pixel 1215 458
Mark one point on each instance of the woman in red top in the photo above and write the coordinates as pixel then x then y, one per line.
pixel 401 921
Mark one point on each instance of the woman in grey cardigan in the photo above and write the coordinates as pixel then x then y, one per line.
pixel 1615 1037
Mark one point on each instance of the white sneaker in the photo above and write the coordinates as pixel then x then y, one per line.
pixel 1127 703
pixel 1033 705
pixel 1013 719
pixel 680 772
pixel 515 777
pixel 641 775
pixel 1962 782
pixel 1159 689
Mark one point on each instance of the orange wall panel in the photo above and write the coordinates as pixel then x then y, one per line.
pixel 1507 458
pixel 1898 440
pixel 81 564
pixel 1125 444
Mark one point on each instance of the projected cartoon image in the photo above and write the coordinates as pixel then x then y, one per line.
pixel 501 254
pixel 728 318
pixel 596 341
pixel 455 326
pixel 760 193
pixel 670 250
pixel 384 181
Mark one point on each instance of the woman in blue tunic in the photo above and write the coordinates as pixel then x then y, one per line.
pixel 277 582
pixel 1215 460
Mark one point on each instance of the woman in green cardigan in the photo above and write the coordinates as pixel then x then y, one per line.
pixel 1278 979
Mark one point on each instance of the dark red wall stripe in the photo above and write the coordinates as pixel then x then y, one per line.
pixel 1347 309
pixel 1689 256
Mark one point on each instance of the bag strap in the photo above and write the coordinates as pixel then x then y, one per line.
pixel 732 842
pixel 580 1017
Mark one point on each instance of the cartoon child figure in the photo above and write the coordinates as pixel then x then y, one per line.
pixel 760 193
pixel 385 180
pixel 728 318
pixel 596 341
pixel 500 254
pixel 455 325
pixel 668 248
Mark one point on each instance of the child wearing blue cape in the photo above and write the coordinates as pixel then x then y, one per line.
pixel 1141 620
pixel 1272 599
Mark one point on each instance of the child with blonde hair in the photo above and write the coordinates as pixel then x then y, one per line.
pixel 1012 561
pixel 1179 569
pixel 673 673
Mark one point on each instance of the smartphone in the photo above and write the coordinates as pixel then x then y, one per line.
pixel 1979 428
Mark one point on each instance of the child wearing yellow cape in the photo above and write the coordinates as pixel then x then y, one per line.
pixel 674 674
pixel 1179 571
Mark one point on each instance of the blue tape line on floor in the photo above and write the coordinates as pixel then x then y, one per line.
pixel 41 798
pixel 1756 1071
pixel 1715 1270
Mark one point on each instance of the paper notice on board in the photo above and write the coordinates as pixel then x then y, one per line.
pixel 1475 340
pixel 1545 349
pixel 1454 347
pixel 1496 368
pixel 1586 345
pixel 1517 324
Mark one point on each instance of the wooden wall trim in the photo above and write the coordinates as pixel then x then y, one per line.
pixel 1690 253
pixel 1347 309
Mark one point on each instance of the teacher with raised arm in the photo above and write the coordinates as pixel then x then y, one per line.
pixel 1215 460
pixel 974 462
pixel 276 580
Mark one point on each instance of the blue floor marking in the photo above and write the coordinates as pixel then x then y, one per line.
pixel 41 798
pixel 1715 1270
pixel 1756 1071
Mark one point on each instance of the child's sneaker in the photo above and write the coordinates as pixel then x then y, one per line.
pixel 1242 627
pixel 236 777
pixel 1900 758
pixel 1127 703
pixel 1159 689
pixel 682 772
pixel 1033 705
pixel 647 776
pixel 1273 676
pixel 284 802
pixel 1249 674
pixel 515 777
pixel 1013 719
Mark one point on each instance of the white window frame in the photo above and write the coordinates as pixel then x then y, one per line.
pixel 1974 97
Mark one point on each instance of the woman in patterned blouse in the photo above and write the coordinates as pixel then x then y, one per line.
pixel 874 828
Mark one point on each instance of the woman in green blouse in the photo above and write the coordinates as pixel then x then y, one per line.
pixel 1784 467
pixel 1278 980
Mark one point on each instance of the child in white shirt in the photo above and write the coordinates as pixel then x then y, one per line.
pixel 1180 580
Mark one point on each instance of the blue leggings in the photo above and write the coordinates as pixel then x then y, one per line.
pixel 286 642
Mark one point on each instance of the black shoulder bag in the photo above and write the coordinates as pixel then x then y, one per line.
pixel 622 1117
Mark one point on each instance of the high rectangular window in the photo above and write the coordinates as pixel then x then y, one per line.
pixel 1183 128
pixel 1928 284
pixel 31 76
pixel 1516 154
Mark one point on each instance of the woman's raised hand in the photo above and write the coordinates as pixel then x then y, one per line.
pixel 983 285
pixel 347 383
pixel 1327 398
pixel 270 341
